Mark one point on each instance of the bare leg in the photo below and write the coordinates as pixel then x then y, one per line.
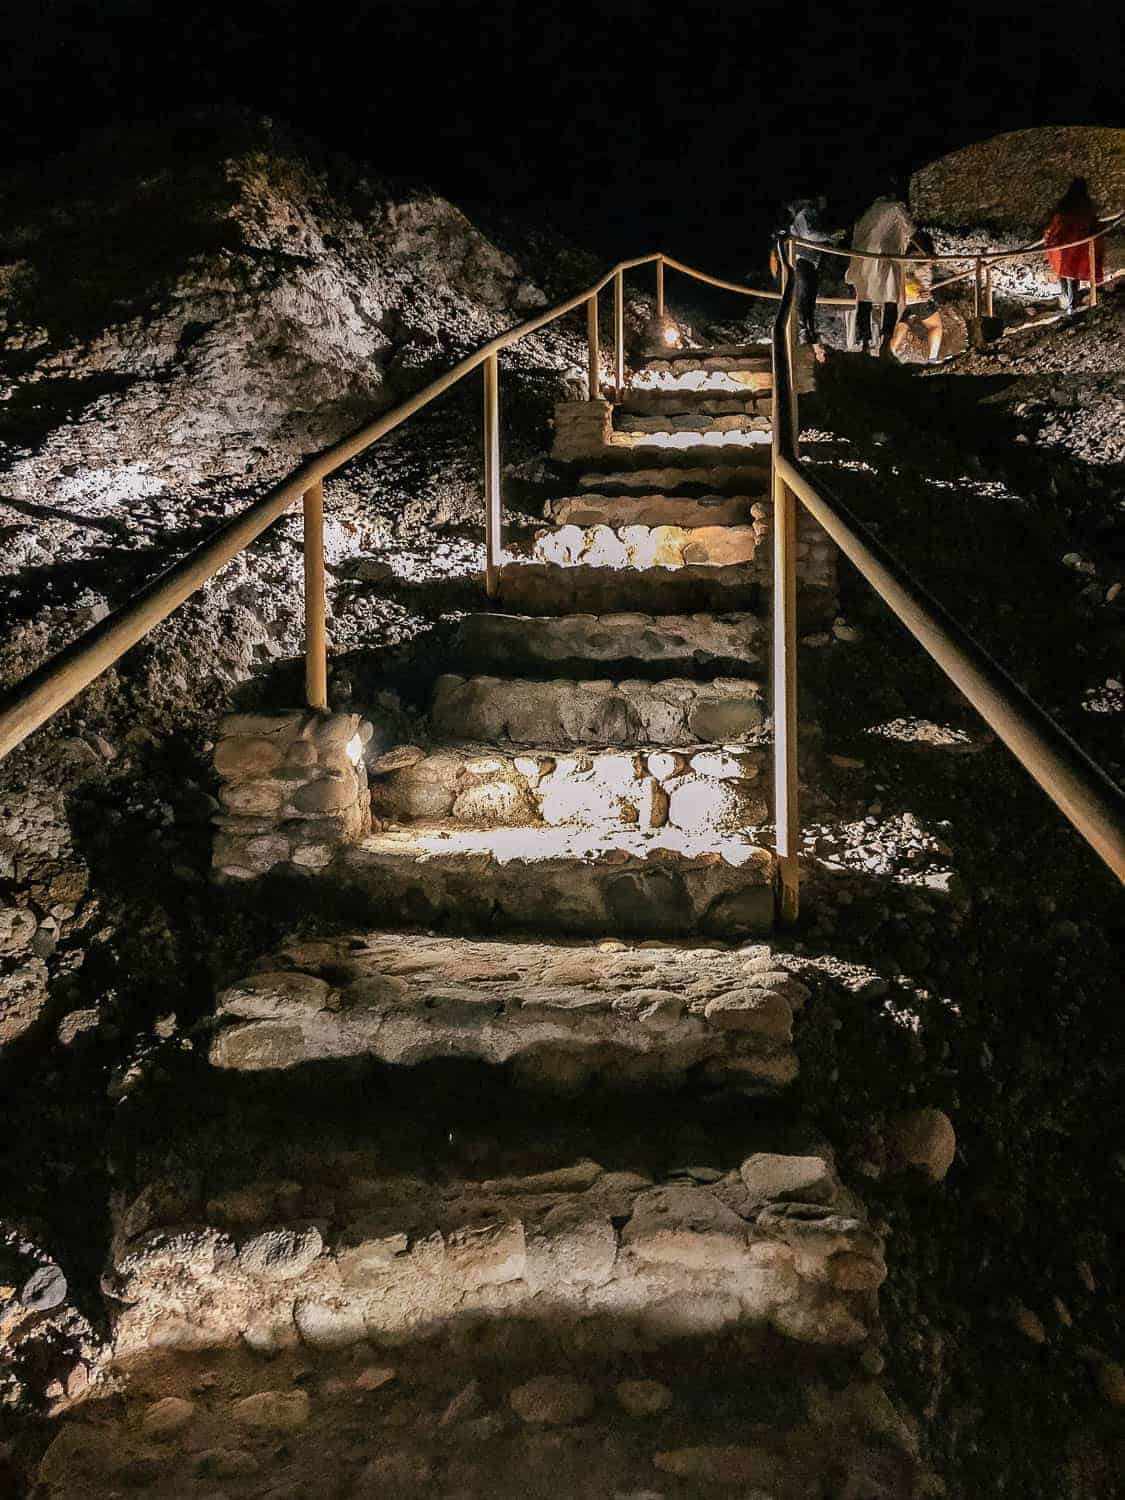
pixel 932 325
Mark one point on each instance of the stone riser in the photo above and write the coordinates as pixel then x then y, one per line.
pixel 662 546
pixel 650 510
pixel 563 1018
pixel 336 1249
pixel 642 401
pixel 674 481
pixel 719 449
pixel 473 890
pixel 510 642
pixel 709 788
pixel 694 422
pixel 538 589
pixel 671 712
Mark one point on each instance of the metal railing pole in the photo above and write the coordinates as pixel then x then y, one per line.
pixel 619 334
pixel 784 651
pixel 988 291
pixel 593 347
pixel 493 519
pixel 1093 273
pixel 660 287
pixel 316 636
pixel 977 277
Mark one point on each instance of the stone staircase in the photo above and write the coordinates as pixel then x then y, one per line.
pixel 515 1212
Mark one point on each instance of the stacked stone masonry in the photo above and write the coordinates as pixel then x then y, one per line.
pixel 712 788
pixel 563 1016
pixel 294 790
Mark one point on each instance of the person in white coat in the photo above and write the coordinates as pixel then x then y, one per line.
pixel 885 229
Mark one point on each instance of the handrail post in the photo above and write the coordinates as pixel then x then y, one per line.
pixel 493 519
pixel 988 290
pixel 977 278
pixel 784 645
pixel 660 287
pixel 316 638
pixel 593 348
pixel 619 334
pixel 1093 247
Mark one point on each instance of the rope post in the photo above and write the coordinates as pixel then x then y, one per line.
pixel 593 348
pixel 493 520
pixel 316 638
pixel 619 334
pixel 660 287
pixel 1093 247
pixel 784 653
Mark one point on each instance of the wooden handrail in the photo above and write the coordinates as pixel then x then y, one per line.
pixel 1077 785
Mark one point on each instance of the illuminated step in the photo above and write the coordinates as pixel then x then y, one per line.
pixel 511 641
pixel 657 883
pixel 560 711
pixel 651 510
pixel 645 546
pixel 693 788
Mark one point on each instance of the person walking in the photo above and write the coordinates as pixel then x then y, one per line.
pixel 886 229
pixel 1074 217
pixel 805 220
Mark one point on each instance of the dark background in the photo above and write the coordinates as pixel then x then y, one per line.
pixel 623 124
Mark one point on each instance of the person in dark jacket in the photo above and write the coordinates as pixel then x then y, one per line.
pixel 1074 217
pixel 805 220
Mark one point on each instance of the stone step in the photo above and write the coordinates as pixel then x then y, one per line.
pixel 544 589
pixel 674 482
pixel 663 546
pixel 656 883
pixel 562 1018
pixel 697 423
pixel 747 451
pixel 671 712
pixel 755 357
pixel 409 1217
pixel 694 789
pixel 515 1419
pixel 493 641
pixel 651 510
pixel 654 399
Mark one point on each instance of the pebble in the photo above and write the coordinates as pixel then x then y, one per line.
pixel 727 1465
pixel 1029 1323
pixel 165 1417
pixel 924 1138
pixel 552 1401
pixel 1111 1383
pixel 374 1377
pixel 273 1411
pixel 643 1398
pixel 467 1403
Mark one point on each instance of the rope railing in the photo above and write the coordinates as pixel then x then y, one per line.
pixel 1077 785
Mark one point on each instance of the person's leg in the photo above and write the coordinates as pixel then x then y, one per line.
pixel 1070 292
pixel 933 328
pixel 863 325
pixel 806 299
pixel 890 318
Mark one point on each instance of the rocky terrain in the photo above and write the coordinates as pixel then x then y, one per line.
pixel 959 954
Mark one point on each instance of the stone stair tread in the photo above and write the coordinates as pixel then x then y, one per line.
pixel 666 480
pixel 621 1017
pixel 648 400
pixel 658 883
pixel 695 424
pixel 401 1214
pixel 651 510
pixel 505 640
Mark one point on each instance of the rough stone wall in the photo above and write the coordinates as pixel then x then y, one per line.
pixel 583 430
pixel 294 790
pixel 1011 180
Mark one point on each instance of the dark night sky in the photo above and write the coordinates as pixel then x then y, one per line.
pixel 623 124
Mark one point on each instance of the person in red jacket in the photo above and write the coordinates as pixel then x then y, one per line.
pixel 1074 217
